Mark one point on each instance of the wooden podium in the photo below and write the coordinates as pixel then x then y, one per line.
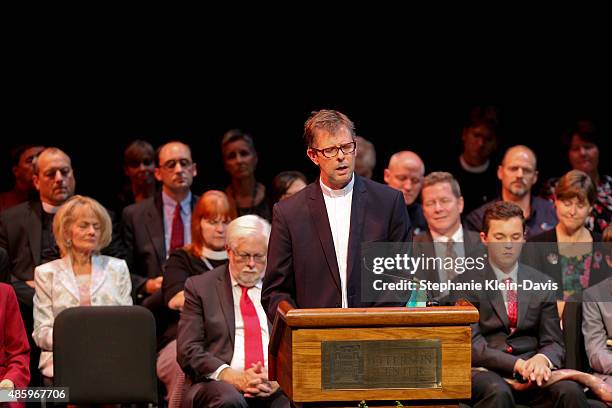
pixel 338 357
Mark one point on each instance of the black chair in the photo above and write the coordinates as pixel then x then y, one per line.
pixel 106 354
pixel 575 352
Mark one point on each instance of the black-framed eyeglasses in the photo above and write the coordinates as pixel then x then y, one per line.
pixel 170 164
pixel 332 151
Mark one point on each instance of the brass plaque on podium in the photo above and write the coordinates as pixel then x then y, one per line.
pixel 381 364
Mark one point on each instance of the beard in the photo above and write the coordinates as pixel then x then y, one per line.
pixel 519 190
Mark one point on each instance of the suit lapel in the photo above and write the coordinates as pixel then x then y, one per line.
pixel 319 218
pixel 66 277
pixel 97 274
pixel 34 228
pixel 155 228
pixel 226 301
pixel 358 206
pixel 497 300
pixel 523 298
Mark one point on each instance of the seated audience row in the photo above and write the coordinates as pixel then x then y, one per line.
pixel 169 236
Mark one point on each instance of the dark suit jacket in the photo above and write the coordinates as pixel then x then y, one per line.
pixel 302 266
pixel 207 327
pixel 179 266
pixel 144 240
pixel 423 245
pixel 542 253
pixel 20 235
pixel 538 329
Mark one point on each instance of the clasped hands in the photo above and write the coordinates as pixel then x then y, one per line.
pixel 252 382
pixel 535 369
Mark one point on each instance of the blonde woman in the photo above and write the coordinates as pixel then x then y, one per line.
pixel 82 277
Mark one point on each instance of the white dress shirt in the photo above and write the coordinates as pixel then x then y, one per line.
pixel 457 238
pixel 237 362
pixel 338 204
pixel 169 208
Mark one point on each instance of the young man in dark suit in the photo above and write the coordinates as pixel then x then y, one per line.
pixel 518 334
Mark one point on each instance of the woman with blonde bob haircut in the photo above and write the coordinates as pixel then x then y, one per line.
pixel 81 277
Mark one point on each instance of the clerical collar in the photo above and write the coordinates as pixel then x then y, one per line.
pixel 346 190
pixel 214 255
pixel 48 208
pixel 473 169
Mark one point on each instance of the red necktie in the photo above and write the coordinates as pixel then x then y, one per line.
pixel 177 238
pixel 512 305
pixel 253 349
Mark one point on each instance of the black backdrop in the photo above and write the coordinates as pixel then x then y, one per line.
pixel 93 112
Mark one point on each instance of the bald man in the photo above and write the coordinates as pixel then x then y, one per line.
pixel 405 173
pixel 517 174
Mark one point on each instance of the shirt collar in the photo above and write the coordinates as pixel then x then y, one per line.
pixel 456 237
pixel 169 202
pixel 500 275
pixel 346 190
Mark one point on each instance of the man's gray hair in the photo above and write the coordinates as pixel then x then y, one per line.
pixel 246 226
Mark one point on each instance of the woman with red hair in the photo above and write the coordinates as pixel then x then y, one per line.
pixel 209 220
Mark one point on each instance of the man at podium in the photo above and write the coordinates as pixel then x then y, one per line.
pixel 315 244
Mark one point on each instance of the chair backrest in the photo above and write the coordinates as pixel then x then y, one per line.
pixel 106 354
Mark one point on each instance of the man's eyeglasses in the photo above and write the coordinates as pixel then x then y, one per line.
pixel 332 151
pixel 170 164
pixel 243 257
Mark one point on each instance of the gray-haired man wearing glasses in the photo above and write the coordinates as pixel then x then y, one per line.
pixel 315 245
